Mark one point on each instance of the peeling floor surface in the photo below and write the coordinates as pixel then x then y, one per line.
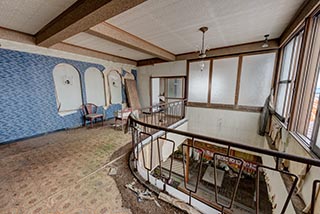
pixel 61 173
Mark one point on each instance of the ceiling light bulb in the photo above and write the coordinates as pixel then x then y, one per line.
pixel 202 66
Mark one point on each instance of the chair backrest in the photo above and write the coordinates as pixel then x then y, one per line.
pixel 126 112
pixel 123 114
pixel 89 108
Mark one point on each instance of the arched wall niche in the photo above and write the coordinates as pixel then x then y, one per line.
pixel 94 84
pixel 114 82
pixel 67 87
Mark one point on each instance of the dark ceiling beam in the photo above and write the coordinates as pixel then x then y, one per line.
pixel 91 53
pixel 305 10
pixel 80 17
pixel 152 61
pixel 109 32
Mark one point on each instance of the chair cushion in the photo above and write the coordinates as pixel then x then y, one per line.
pixel 94 115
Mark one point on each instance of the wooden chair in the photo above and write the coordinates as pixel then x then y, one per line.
pixel 89 112
pixel 122 117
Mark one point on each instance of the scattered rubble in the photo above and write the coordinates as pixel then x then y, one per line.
pixel 142 195
pixel 113 171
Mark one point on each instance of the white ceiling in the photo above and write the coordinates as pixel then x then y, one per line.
pixel 173 24
pixel 29 16
pixel 95 43
pixel 170 24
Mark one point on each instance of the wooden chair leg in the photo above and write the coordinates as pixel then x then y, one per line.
pixel 91 123
pixel 102 120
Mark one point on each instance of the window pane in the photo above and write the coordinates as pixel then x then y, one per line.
pixel 224 80
pixel 175 88
pixel 280 99
pixel 312 116
pixel 287 106
pixel 286 60
pixel 309 91
pixel 256 77
pixel 155 91
pixel 198 82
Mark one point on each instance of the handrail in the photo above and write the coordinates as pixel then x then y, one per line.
pixel 153 126
pixel 274 153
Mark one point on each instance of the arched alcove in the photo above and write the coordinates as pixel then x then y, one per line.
pixel 115 87
pixel 67 85
pixel 95 91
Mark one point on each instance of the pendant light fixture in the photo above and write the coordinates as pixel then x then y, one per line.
pixel 265 43
pixel 202 53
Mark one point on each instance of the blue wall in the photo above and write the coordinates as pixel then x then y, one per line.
pixel 27 96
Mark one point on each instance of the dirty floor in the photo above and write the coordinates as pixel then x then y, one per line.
pixel 62 173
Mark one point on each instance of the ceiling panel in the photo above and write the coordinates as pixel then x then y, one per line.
pixel 95 43
pixel 29 16
pixel 173 24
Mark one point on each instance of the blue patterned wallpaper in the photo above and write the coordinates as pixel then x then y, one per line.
pixel 27 95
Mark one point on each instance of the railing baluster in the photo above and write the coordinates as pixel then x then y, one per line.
pixel 159 117
pixel 314 193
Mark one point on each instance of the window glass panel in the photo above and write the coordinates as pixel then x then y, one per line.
pixel 286 61
pixel 94 86
pixel 318 139
pixel 281 96
pixel 288 74
pixel 175 88
pixel 155 91
pixel 286 110
pixel 312 116
pixel 224 80
pixel 198 82
pixel 67 85
pixel 310 89
pixel 256 77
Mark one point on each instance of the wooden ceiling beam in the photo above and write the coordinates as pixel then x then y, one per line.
pixel 16 36
pixel 121 37
pixel 91 53
pixel 80 17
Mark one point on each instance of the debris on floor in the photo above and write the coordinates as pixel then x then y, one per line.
pixel 142 195
pixel 113 171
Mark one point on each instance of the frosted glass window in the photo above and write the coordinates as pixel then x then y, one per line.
pixel 256 78
pixel 94 86
pixel 288 72
pixel 198 82
pixel 68 90
pixel 281 96
pixel 224 80
pixel 155 90
pixel 175 87
pixel 286 61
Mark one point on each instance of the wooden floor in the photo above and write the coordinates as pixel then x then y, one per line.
pixel 61 173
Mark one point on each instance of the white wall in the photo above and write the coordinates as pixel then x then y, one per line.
pixel 230 125
pixel 178 68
